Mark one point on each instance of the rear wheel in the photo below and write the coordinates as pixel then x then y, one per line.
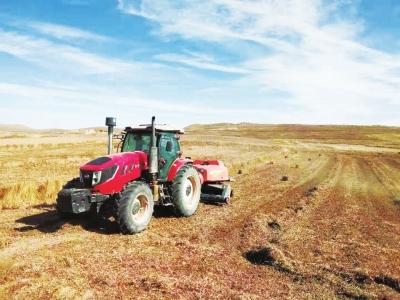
pixel 135 208
pixel 186 190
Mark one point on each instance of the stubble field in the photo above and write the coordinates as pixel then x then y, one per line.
pixel 330 231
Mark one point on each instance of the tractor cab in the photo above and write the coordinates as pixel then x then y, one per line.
pixel 167 142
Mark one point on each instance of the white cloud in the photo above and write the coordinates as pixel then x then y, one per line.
pixel 292 61
pixel 312 53
pixel 66 32
pixel 200 62
pixel 58 55
pixel 87 96
pixel 88 103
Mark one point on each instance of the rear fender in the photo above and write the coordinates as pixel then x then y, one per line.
pixel 176 166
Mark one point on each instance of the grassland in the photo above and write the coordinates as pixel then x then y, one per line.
pixel 330 231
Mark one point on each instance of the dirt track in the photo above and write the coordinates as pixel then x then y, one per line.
pixel 330 231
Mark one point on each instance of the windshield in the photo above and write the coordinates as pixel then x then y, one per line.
pixel 135 141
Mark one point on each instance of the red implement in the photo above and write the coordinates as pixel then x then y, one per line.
pixel 211 170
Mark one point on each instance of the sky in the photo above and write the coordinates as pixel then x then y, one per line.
pixel 71 63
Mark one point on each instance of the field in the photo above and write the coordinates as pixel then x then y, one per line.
pixel 331 230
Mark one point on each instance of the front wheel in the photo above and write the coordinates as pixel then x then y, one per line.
pixel 62 212
pixel 135 208
pixel 186 190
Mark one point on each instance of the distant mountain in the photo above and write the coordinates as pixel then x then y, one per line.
pixel 22 128
pixel 261 126
pixel 15 128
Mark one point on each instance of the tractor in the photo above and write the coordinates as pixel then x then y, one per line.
pixel 148 170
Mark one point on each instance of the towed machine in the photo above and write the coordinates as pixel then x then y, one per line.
pixel 149 170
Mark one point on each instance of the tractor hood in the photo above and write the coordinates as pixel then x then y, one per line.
pixel 119 159
pixel 113 170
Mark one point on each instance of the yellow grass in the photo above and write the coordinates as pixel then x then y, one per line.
pixel 34 173
pixel 28 193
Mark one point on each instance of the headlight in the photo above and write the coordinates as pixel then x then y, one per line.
pixel 96 177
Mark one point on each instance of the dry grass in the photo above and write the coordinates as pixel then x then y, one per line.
pixel 34 173
pixel 330 231
pixel 27 193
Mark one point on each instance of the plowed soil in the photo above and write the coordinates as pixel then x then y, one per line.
pixel 331 230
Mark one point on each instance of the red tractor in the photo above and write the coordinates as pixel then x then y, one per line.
pixel 149 171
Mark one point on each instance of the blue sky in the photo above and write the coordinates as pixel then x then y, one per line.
pixel 70 63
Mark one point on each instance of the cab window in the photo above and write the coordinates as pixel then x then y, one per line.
pixel 168 147
pixel 136 142
pixel 165 144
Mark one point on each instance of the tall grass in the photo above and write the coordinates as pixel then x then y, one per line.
pixel 32 174
pixel 27 193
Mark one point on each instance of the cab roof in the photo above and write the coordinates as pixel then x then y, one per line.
pixel 158 127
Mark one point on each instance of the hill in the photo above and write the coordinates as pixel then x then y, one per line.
pixel 15 128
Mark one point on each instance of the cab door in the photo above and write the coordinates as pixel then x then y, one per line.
pixel 168 151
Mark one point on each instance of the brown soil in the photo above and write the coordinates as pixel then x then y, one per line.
pixel 332 230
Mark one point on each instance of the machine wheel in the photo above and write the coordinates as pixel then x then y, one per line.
pixel 186 190
pixel 73 183
pixel 135 208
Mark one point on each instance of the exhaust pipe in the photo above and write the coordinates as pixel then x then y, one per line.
pixel 153 168
pixel 153 160
pixel 111 122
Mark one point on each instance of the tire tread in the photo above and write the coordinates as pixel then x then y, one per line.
pixel 176 188
pixel 125 225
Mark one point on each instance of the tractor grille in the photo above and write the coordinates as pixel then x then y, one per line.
pixel 86 177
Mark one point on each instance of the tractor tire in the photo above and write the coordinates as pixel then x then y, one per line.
pixel 73 183
pixel 186 190
pixel 135 208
